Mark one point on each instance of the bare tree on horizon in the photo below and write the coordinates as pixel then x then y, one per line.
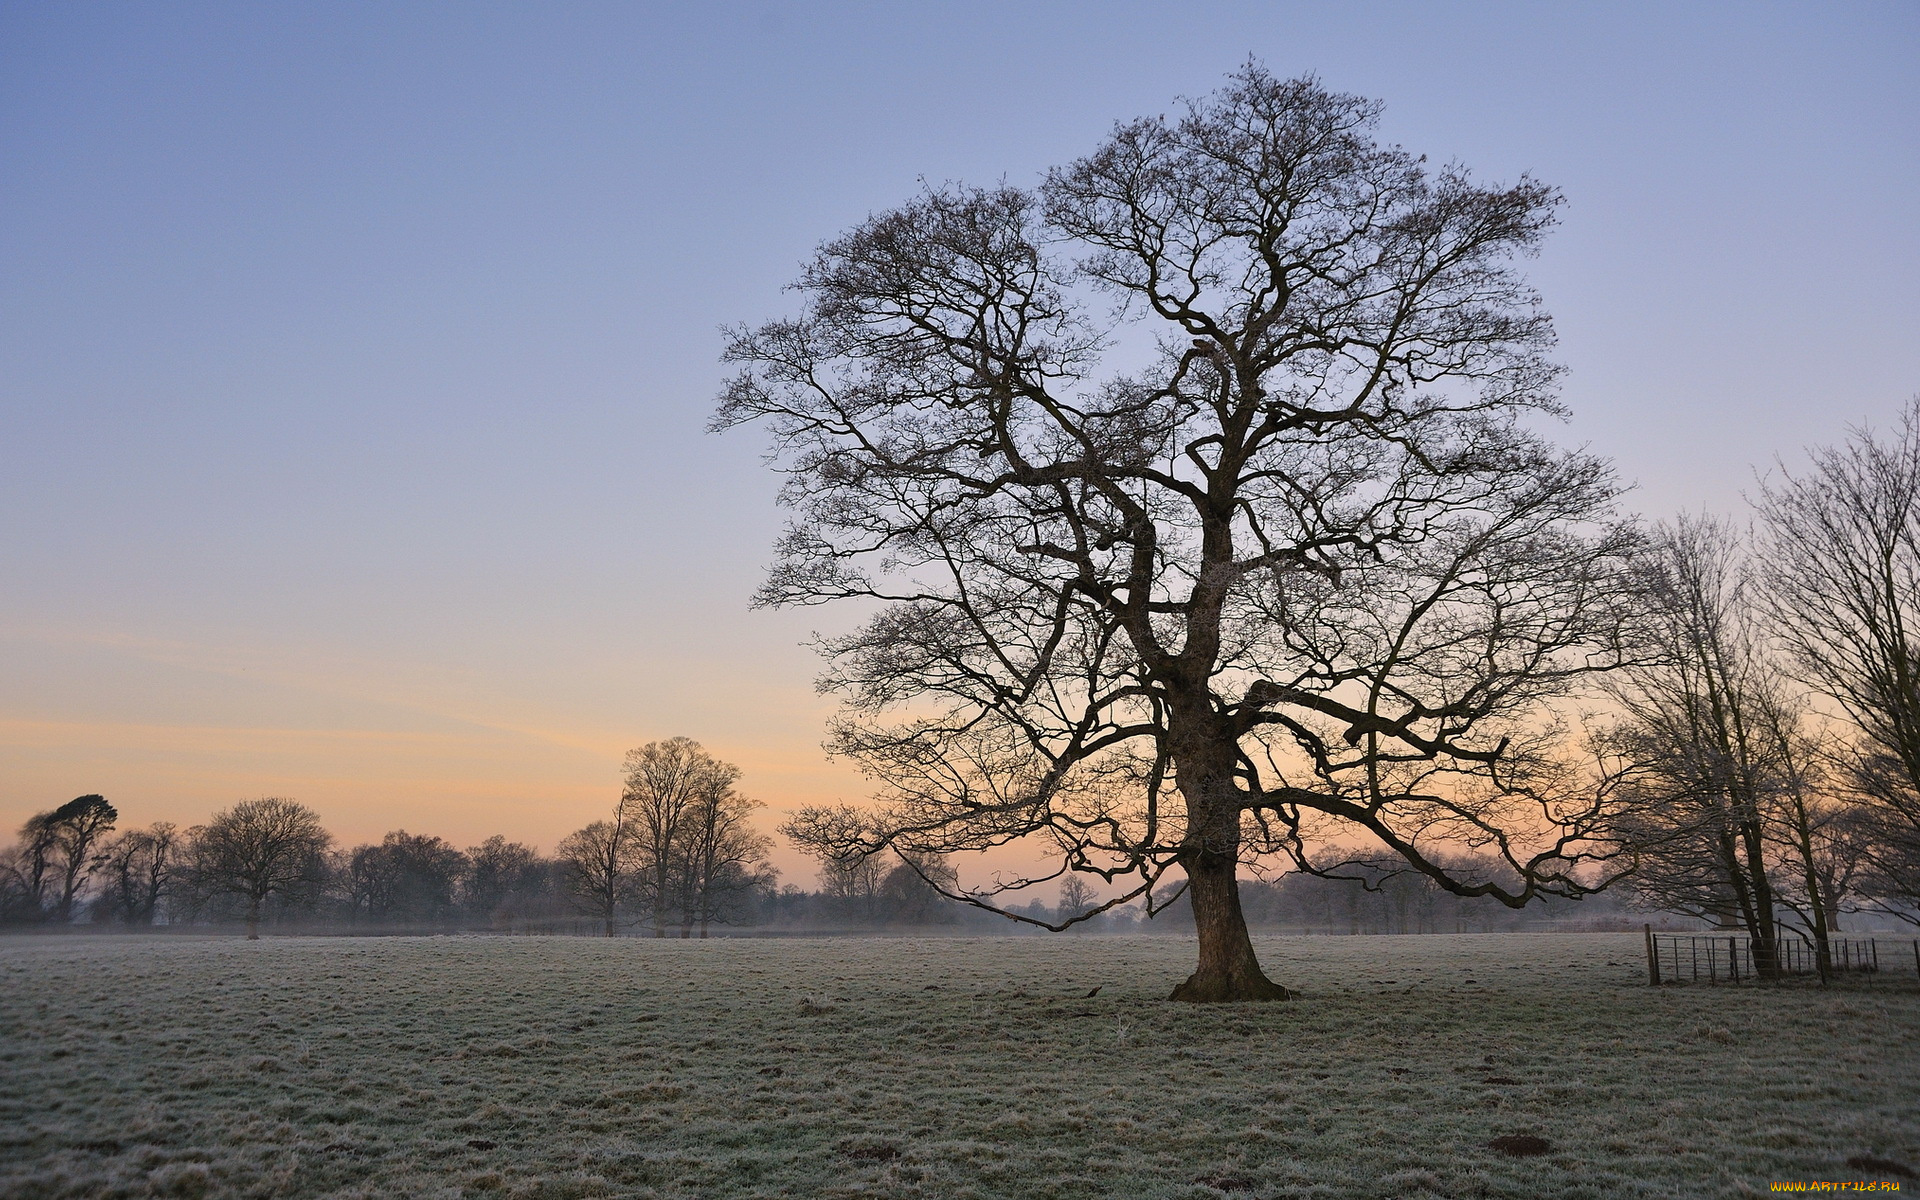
pixel 139 864
pixel 258 849
pixel 596 870
pixel 722 857
pixel 667 784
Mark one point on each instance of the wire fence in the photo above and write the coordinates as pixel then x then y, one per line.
pixel 1733 958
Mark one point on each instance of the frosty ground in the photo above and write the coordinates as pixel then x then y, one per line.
pixel 574 1067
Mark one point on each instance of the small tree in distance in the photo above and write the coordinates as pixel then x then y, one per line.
pixel 596 871
pixel 58 850
pixel 679 845
pixel 668 784
pixel 1288 571
pixel 407 877
pixel 1076 897
pixel 853 882
pixel 258 849
pixel 723 859
pixel 501 875
pixel 78 827
pixel 139 866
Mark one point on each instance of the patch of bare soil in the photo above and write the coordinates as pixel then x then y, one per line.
pixel 1885 1166
pixel 1520 1145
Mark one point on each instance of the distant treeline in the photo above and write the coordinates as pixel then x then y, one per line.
pixel 678 857
pixel 270 863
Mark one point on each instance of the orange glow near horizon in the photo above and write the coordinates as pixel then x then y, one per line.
pixel 364 783
pixel 170 730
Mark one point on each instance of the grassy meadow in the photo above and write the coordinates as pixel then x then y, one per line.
pixel 892 1067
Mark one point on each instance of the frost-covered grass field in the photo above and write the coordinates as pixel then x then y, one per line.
pixel 931 1068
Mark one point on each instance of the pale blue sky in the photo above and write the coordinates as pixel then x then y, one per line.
pixel 354 357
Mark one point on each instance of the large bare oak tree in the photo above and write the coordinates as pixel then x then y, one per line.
pixel 1193 501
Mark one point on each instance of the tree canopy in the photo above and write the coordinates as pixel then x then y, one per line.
pixel 1194 498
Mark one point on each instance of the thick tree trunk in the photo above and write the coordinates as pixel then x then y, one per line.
pixel 659 897
pixel 1821 931
pixel 1768 934
pixel 1203 754
pixel 253 918
pixel 1228 969
pixel 1816 898
pixel 1765 962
